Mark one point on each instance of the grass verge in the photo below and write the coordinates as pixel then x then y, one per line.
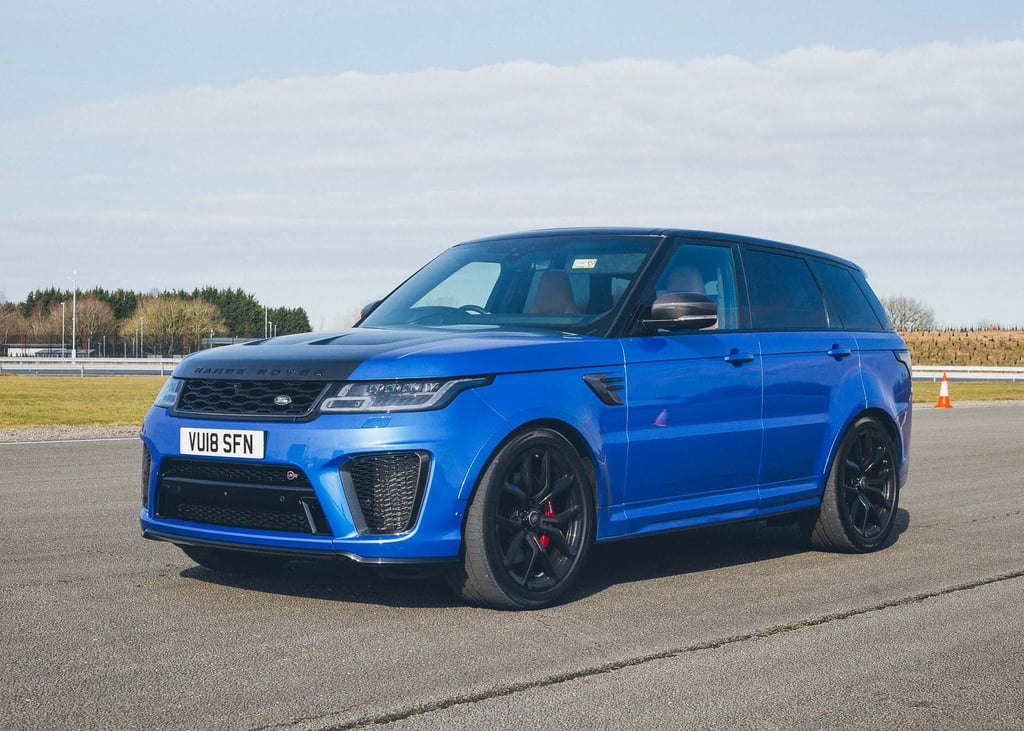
pixel 74 401
pixel 927 392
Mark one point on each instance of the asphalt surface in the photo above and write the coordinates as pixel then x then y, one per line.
pixel 737 626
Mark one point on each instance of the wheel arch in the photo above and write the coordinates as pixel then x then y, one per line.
pixel 565 430
pixel 879 415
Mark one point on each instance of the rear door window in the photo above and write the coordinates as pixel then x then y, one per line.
pixel 783 293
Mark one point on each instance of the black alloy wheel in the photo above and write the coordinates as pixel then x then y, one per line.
pixel 529 526
pixel 858 508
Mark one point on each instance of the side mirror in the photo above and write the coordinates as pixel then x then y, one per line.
pixel 682 311
pixel 365 312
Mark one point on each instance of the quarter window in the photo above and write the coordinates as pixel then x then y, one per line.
pixel 783 293
pixel 846 297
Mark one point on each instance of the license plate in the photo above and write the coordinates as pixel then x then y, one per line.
pixel 246 444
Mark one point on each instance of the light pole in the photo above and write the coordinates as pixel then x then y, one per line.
pixel 142 336
pixel 63 306
pixel 74 313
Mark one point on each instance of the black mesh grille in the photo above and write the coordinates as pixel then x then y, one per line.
pixel 260 519
pixel 147 464
pixel 388 488
pixel 249 398
pixel 259 496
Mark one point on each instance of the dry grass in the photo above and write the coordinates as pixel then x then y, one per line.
pixel 926 392
pixel 75 401
pixel 967 347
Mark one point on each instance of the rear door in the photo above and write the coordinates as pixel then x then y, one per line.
pixel 812 382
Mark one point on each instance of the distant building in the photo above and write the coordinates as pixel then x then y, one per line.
pixel 45 351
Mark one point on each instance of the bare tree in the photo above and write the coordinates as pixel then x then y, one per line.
pixel 12 324
pixel 95 319
pixel 201 318
pixel 173 322
pixel 907 313
pixel 41 325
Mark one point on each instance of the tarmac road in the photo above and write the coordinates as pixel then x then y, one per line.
pixel 730 627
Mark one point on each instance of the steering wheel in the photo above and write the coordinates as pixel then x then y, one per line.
pixel 474 310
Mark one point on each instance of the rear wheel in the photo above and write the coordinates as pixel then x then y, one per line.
pixel 529 526
pixel 858 508
pixel 234 562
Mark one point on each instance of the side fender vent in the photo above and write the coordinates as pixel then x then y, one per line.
pixel 606 387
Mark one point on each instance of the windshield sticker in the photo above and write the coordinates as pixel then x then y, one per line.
pixel 584 263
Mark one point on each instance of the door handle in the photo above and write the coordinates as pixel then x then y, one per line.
pixel 737 358
pixel 839 353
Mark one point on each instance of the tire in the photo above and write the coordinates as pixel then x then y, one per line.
pixel 234 562
pixel 858 508
pixel 529 526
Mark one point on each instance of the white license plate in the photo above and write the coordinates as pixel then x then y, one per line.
pixel 246 444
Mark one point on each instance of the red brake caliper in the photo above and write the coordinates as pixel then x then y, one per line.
pixel 549 510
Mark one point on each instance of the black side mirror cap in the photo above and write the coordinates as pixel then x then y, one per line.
pixel 367 309
pixel 682 311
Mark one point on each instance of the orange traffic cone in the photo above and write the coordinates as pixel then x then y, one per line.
pixel 944 395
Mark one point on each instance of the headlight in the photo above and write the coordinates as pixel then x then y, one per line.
pixel 419 395
pixel 168 395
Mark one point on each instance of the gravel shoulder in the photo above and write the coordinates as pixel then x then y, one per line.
pixel 65 433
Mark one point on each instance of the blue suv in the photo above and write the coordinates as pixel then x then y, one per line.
pixel 523 396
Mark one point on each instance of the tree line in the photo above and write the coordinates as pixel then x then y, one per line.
pixel 126 323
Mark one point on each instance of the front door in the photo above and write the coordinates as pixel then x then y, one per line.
pixel 694 405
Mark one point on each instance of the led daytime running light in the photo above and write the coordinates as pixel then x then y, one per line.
pixel 390 396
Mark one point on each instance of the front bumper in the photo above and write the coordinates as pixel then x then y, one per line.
pixel 455 440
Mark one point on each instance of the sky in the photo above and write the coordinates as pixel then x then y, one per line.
pixel 317 153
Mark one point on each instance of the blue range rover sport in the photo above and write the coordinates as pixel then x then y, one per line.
pixel 523 396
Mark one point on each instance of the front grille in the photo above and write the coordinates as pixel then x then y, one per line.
pixel 209 397
pixel 387 488
pixel 242 495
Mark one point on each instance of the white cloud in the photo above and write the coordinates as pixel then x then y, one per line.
pixel 907 162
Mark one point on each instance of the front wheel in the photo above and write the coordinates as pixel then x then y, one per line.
pixel 529 525
pixel 858 509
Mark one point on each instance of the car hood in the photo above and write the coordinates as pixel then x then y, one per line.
pixel 370 354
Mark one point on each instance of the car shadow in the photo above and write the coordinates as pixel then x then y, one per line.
pixel 609 564
pixel 340 581
pixel 697 550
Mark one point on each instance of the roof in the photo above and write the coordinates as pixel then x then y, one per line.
pixel 680 232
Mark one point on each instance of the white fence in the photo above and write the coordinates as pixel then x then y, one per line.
pixel 89 366
pixel 968 373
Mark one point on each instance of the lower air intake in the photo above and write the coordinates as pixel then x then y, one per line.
pixel 240 495
pixel 385 490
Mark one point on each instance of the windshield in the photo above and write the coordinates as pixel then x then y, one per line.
pixel 570 283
